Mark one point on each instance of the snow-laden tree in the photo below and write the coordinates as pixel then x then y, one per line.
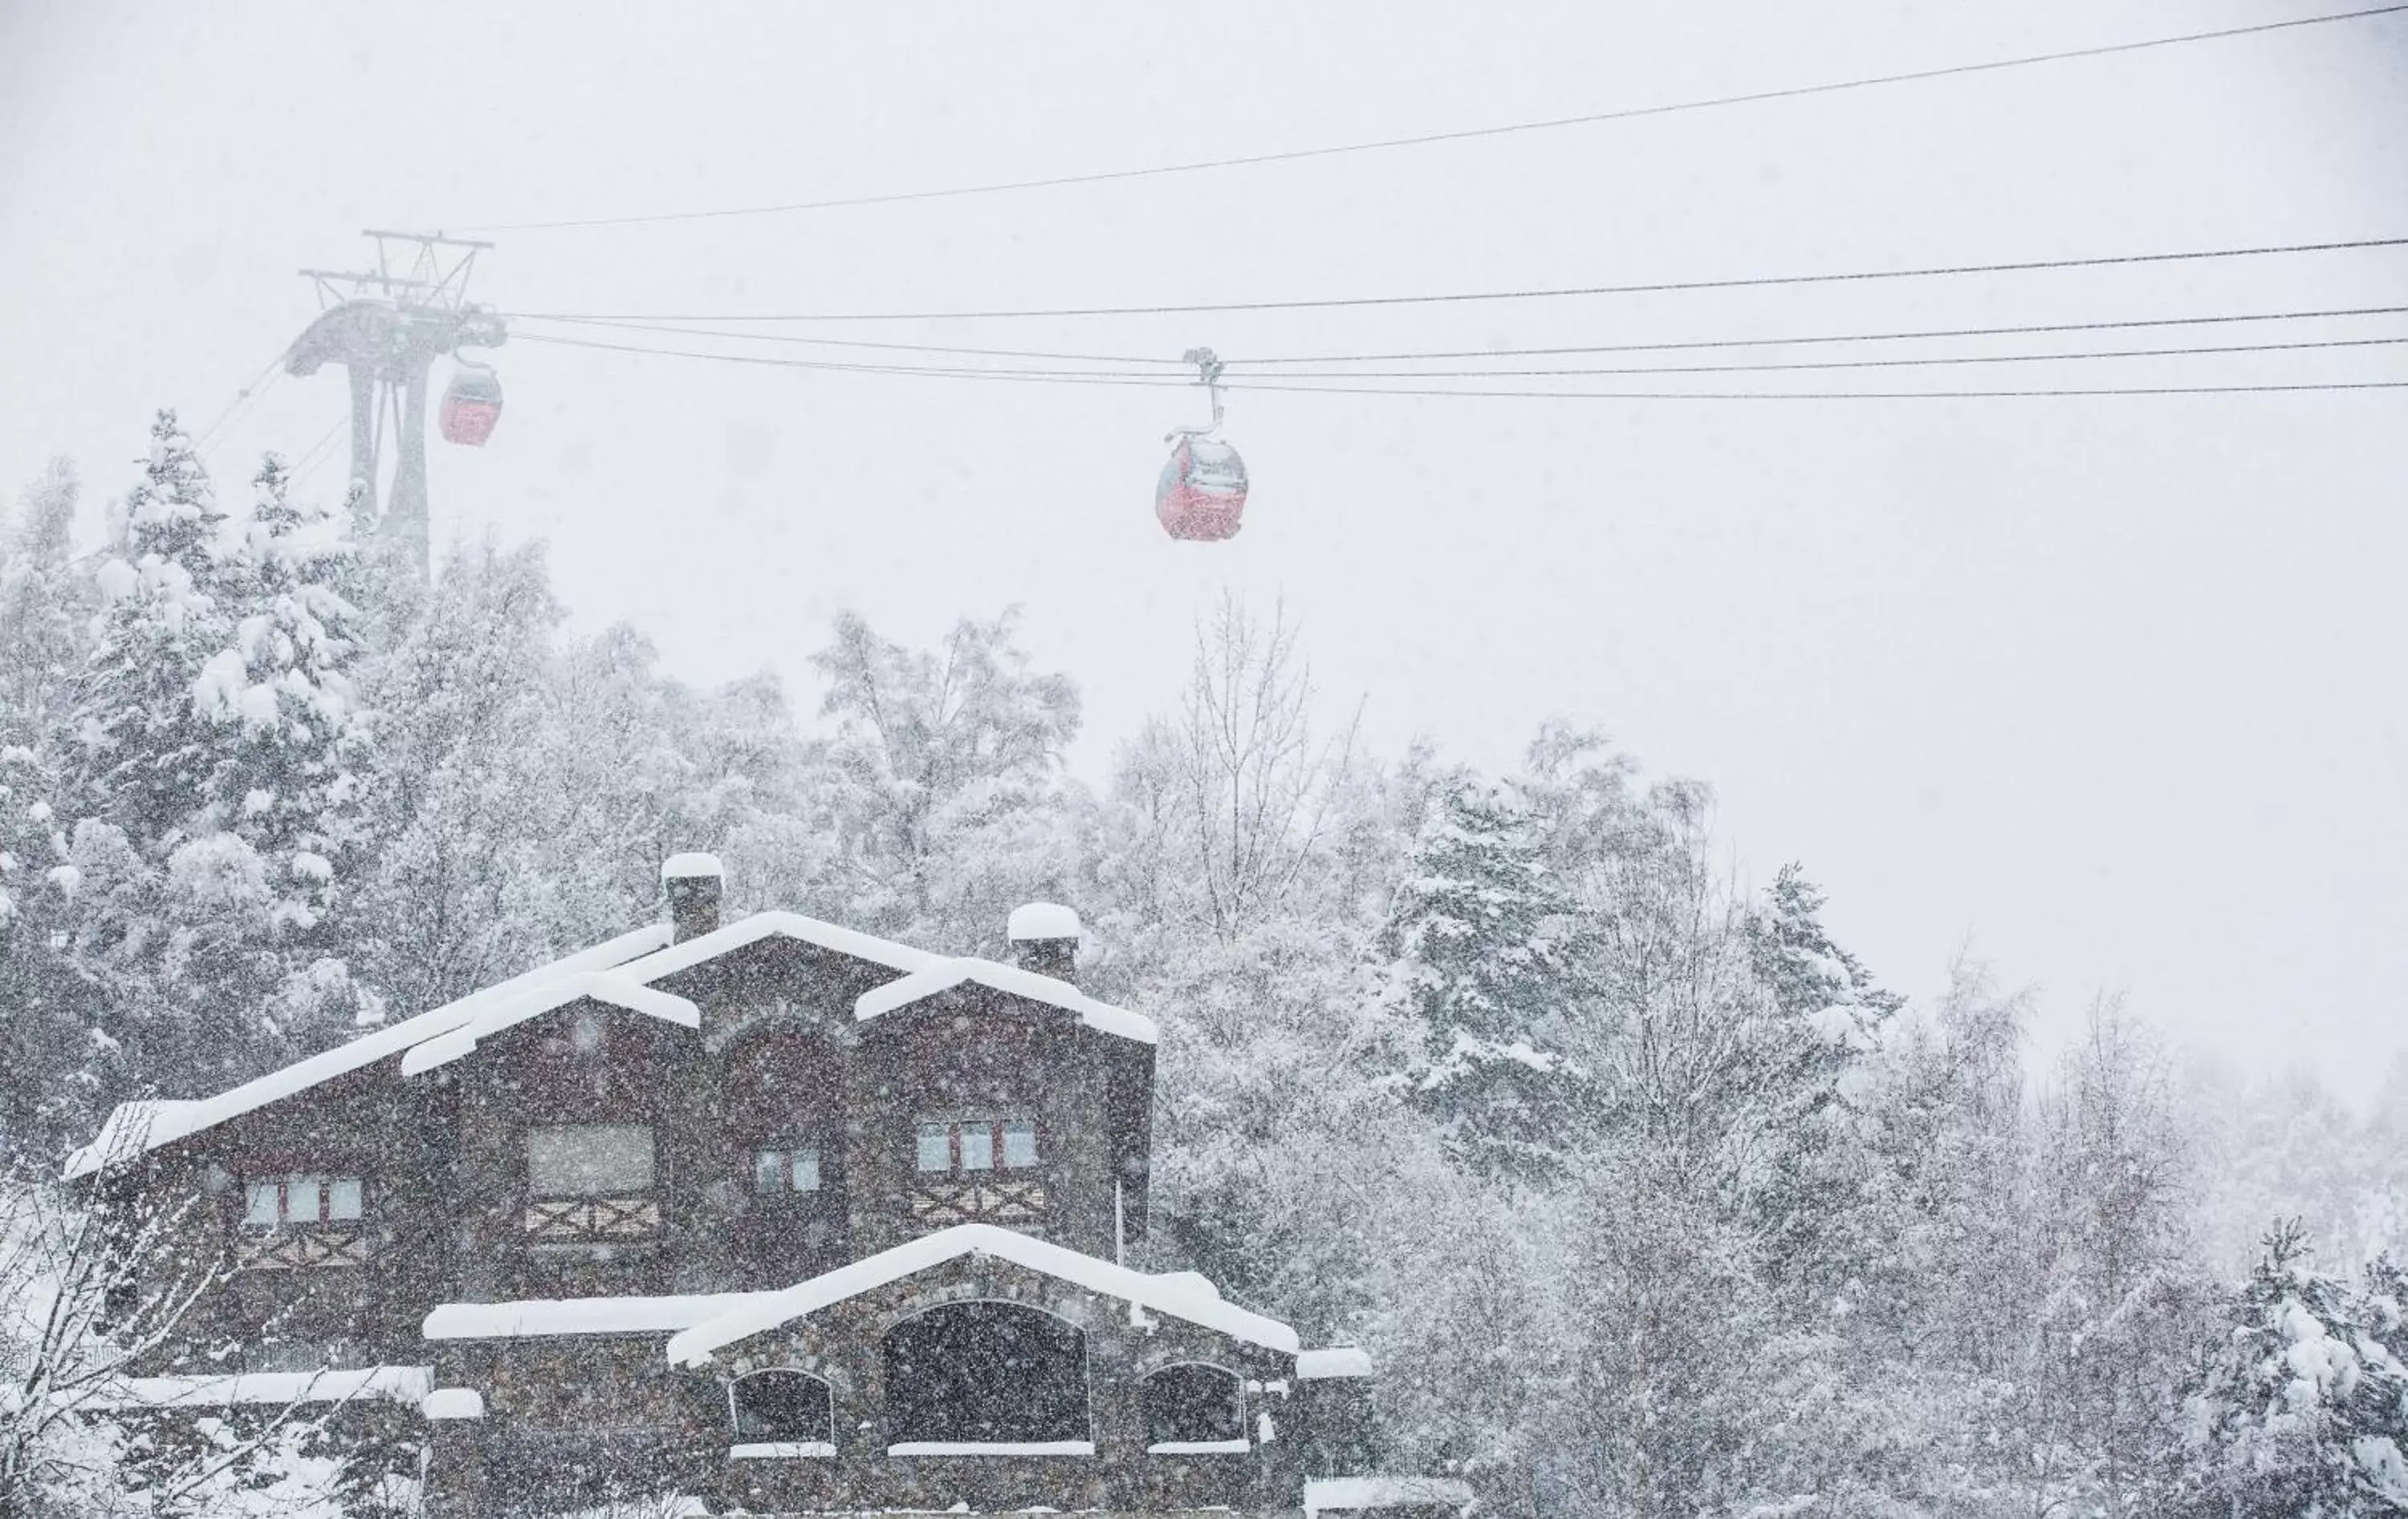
pixel 943 781
pixel 465 886
pixel 291 788
pixel 44 605
pixel 1226 814
pixel 2124 1294
pixel 1479 979
pixel 57 1073
pixel 171 934
pixel 2301 1411
pixel 144 752
pixel 2280 1143
pixel 1831 1014
pixel 288 788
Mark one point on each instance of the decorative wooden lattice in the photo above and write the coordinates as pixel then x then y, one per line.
pixel 296 1250
pixel 588 1220
pixel 1013 1204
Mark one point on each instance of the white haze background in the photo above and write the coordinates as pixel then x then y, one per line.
pixel 2110 686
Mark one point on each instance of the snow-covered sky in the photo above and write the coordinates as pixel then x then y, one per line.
pixel 2108 687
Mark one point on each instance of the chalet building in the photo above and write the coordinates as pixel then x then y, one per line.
pixel 790 1218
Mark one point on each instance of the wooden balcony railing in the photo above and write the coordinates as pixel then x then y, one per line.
pixel 1015 1203
pixel 298 1250
pixel 581 1221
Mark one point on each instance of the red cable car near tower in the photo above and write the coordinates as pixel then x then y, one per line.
pixel 472 403
pixel 1202 492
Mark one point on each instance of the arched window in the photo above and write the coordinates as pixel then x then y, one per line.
pixel 985 1373
pixel 782 1407
pixel 1192 1409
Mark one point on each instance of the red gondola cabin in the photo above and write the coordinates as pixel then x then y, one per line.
pixel 1202 492
pixel 472 403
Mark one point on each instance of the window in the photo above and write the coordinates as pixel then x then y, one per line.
pixel 586 1160
pixel 273 1201
pixel 977 1144
pixel 776 1172
pixel 782 1406
pixel 1192 1409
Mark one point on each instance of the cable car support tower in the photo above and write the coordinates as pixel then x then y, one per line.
pixel 386 328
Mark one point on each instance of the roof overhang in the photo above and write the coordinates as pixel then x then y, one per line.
pixel 135 1129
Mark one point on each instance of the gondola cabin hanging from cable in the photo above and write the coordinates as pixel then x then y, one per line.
pixel 1202 492
pixel 472 403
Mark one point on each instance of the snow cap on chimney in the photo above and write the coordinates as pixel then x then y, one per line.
pixel 1045 936
pixel 692 882
pixel 684 867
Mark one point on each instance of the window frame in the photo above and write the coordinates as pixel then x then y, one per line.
pixel 323 1184
pixel 651 1187
pixel 785 1153
pixel 1158 1443
pixel 999 1133
pixel 735 1416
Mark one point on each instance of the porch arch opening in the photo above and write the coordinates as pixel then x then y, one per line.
pixel 985 1373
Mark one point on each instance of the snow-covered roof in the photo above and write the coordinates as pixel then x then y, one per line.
pixel 685 866
pixel 1332 1362
pixel 760 926
pixel 1331 1495
pixel 175 1120
pixel 1036 921
pixel 536 1318
pixel 1183 1295
pixel 597 986
pixel 385 1383
pixel 944 975
pixel 454 1403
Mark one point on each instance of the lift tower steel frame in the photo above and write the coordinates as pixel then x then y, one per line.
pixel 387 332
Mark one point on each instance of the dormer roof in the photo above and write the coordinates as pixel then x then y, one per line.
pixel 616 991
pixel 941 976
pixel 760 926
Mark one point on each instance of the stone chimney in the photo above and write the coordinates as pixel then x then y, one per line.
pixel 692 884
pixel 1045 939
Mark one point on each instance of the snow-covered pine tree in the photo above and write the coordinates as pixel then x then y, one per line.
pixel 289 782
pixel 1476 973
pixel 55 1067
pixel 1826 1016
pixel 2302 1410
pixel 171 927
pixel 44 605
pixel 143 754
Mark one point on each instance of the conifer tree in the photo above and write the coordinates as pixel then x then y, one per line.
pixel 1478 974
pixel 289 786
pixel 56 1068
pixel 174 927
pixel 2303 1408
pixel 143 754
pixel 43 608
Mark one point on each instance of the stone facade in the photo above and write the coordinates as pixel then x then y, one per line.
pixel 552 1193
